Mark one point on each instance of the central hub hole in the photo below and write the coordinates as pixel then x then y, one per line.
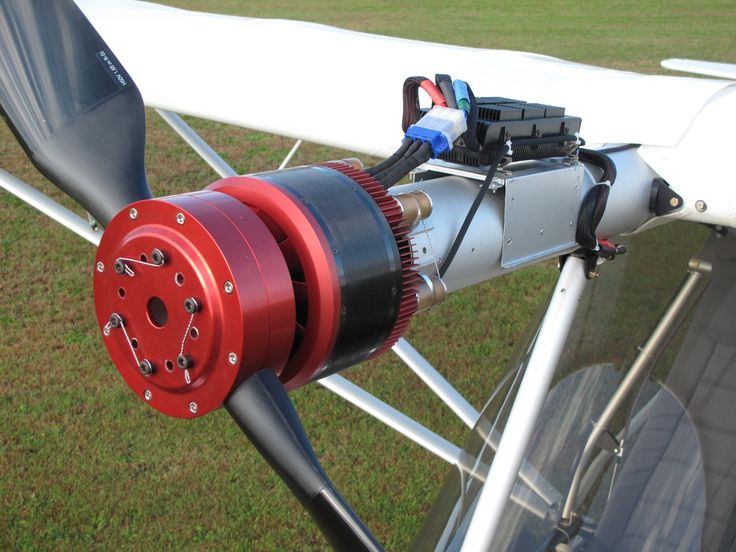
pixel 157 312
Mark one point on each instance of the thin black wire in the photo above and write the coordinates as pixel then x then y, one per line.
pixel 471 212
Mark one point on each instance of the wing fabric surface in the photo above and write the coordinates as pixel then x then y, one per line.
pixel 300 79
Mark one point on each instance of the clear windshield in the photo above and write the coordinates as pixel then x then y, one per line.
pixel 644 487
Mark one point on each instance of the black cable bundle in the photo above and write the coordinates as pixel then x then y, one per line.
pixel 389 161
pixel 594 203
pixel 418 153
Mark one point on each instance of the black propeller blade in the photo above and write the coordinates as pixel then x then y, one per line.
pixel 264 412
pixel 71 104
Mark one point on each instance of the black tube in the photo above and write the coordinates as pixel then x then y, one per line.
pixel 263 411
pixel 444 83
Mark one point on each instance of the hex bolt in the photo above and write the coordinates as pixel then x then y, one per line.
pixel 115 321
pixel 700 206
pixel 133 213
pixel 674 202
pixel 147 395
pixel 228 286
pixel 157 257
pixel 232 358
pixel 183 362
pixel 119 267
pixel 146 367
pixel 100 267
pixel 191 305
pixel 193 407
pixel 180 218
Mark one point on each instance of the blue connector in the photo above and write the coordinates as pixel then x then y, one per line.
pixel 462 96
pixel 440 127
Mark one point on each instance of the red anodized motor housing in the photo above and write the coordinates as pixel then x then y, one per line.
pixel 304 272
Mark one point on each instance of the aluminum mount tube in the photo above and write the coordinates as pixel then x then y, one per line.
pixel 392 418
pixel 203 149
pixel 527 405
pixel 49 207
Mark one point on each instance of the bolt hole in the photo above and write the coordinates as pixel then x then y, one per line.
pixel 179 279
pixel 134 343
pixel 424 250
pixel 194 333
pixel 121 292
pixel 158 314
pixel 144 258
pixel 169 365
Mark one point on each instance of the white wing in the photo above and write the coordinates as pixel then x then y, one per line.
pixel 709 68
pixel 343 88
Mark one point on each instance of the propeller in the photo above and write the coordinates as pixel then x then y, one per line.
pixel 266 415
pixel 81 120
pixel 71 105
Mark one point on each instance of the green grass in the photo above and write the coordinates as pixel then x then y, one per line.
pixel 84 464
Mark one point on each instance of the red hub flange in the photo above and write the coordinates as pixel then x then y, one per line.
pixel 303 272
pixel 193 295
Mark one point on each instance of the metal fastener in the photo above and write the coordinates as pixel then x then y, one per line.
pixel 133 213
pixel 115 320
pixel 190 305
pixel 147 395
pixel 146 367
pixel 119 267
pixel 157 257
pixel 106 329
pixel 100 267
pixel 193 407
pixel 183 362
pixel 232 358
pixel 674 202
pixel 700 206
pixel 180 218
pixel 228 287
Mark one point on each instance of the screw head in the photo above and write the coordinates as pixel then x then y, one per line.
pixel 183 362
pixel 180 218
pixel 147 394
pixel 133 213
pixel 674 202
pixel 100 267
pixel 193 407
pixel 232 358
pixel 190 305
pixel 119 267
pixel 228 286
pixel 700 206
pixel 157 257
pixel 146 367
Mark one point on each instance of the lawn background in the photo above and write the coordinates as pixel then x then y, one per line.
pixel 84 464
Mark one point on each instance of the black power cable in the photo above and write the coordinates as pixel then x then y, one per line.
pixel 594 203
pixel 473 209
pixel 410 162
pixel 389 161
